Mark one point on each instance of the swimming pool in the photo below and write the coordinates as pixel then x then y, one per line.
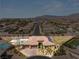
pixel 4 45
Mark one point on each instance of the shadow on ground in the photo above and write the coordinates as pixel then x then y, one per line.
pixel 38 57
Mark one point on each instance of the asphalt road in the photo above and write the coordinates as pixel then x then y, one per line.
pixel 36 30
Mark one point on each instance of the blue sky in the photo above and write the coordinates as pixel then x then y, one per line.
pixel 33 8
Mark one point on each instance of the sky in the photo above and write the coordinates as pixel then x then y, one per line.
pixel 33 8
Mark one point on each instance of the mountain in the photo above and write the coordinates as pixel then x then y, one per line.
pixel 50 17
pixel 76 14
pixel 72 17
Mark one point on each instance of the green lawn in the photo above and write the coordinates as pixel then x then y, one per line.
pixel 72 43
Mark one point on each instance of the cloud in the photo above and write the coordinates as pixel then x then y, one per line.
pixel 61 7
pixel 39 7
pixel 75 3
pixel 10 12
pixel 55 6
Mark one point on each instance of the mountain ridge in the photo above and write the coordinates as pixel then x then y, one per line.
pixel 74 16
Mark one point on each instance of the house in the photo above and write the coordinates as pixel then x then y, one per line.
pixel 33 45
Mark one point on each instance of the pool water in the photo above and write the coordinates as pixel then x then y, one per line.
pixel 4 45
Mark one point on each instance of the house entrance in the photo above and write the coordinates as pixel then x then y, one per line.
pixel 40 45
